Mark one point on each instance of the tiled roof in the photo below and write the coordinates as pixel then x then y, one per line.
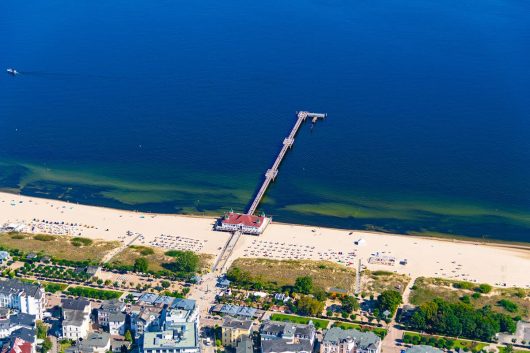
pixel 243 219
pixel 20 346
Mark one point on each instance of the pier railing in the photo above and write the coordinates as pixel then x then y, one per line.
pixel 288 142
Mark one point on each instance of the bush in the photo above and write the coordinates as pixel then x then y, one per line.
pixel 78 241
pixel 484 288
pixel 464 285
pixel 17 236
pixel 143 250
pixel 465 299
pixel 508 305
pixel 44 237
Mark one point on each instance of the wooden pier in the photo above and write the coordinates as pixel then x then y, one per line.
pixel 288 142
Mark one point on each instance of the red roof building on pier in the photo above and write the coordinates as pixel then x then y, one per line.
pixel 245 223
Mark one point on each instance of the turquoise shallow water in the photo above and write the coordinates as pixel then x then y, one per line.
pixel 170 106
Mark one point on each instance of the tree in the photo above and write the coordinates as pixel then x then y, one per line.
pixel 128 336
pixel 389 300
pixel 42 330
pixel 141 265
pixel 349 304
pixel 309 306
pixel 303 285
pixel 165 284
pixel 319 294
pixel 185 261
pixel 46 345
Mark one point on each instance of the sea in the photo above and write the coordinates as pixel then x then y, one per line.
pixel 176 106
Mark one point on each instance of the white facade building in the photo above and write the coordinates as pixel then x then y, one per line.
pixel 337 340
pixel 24 297
pixel 76 318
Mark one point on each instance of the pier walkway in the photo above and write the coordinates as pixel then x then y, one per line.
pixel 288 142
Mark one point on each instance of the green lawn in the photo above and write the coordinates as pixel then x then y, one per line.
pixel 474 346
pixel 51 287
pixel 502 349
pixel 63 345
pixel 381 332
pixel 319 323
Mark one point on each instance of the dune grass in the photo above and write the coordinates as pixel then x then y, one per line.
pixel 325 274
pixel 56 246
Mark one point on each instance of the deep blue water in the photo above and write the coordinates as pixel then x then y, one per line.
pixel 181 106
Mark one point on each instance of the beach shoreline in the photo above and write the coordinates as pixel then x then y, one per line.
pixel 500 264
pixel 442 237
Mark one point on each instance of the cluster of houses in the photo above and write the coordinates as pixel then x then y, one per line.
pixel 160 324
pixel 163 324
pixel 21 304
pixel 287 337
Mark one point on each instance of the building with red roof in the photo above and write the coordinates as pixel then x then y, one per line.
pixel 18 345
pixel 246 223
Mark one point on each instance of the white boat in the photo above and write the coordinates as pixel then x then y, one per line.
pixel 12 72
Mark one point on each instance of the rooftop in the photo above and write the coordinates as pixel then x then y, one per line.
pixel 20 346
pixel 112 306
pixel 75 304
pixel 288 329
pixel 184 304
pixel 274 346
pixel 245 345
pixel 184 337
pixel 12 286
pixel 423 349
pixel 363 339
pixel 242 219
pixel 116 317
pixel 234 310
pixel 231 322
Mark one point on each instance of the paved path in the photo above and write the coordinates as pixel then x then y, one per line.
pixel 55 346
pixel 118 250
pixel 395 334
pixel 406 292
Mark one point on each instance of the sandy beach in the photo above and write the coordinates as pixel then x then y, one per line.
pixel 485 263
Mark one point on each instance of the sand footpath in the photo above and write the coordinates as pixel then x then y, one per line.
pixel 485 263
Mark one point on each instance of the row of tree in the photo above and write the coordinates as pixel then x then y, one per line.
pixel 93 293
pixel 460 320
